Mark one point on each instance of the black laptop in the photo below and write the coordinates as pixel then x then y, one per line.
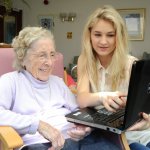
pixel 138 100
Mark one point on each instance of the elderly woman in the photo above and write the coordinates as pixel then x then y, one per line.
pixel 35 103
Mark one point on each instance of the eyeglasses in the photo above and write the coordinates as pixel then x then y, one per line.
pixel 43 56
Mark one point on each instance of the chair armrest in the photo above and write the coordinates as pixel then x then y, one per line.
pixel 73 89
pixel 124 141
pixel 9 138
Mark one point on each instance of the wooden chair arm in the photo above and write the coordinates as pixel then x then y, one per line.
pixel 124 141
pixel 9 138
pixel 74 91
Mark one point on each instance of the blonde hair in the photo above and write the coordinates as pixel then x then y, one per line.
pixel 89 65
pixel 23 41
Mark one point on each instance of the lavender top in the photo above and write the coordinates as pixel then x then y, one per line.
pixel 25 100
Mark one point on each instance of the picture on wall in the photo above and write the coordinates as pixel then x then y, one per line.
pixel 134 19
pixel 46 21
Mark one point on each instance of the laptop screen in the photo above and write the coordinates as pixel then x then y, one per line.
pixel 138 92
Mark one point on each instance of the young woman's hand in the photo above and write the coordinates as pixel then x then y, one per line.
pixel 141 125
pixel 113 101
pixel 79 132
pixel 52 134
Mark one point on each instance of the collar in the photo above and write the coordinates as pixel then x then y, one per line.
pixel 101 68
pixel 35 82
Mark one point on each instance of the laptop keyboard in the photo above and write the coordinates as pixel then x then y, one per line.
pixel 111 118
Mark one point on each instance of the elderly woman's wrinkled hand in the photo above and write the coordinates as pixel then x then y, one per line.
pixel 79 132
pixel 52 134
pixel 141 125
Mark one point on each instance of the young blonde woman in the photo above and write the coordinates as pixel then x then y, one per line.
pixel 104 67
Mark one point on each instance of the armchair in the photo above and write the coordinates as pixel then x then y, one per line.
pixel 9 138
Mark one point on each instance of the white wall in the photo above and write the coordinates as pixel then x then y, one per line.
pixel 83 8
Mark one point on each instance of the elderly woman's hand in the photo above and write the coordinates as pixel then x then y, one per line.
pixel 143 124
pixel 51 134
pixel 79 132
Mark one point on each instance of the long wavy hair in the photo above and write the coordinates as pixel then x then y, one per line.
pixel 117 65
pixel 23 41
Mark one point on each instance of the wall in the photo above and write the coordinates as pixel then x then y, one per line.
pixel 72 47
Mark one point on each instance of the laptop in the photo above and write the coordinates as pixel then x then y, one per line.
pixel 138 101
